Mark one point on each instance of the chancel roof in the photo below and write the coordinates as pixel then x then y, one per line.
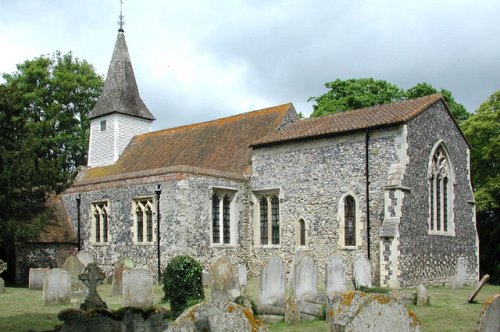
pixel 221 146
pixel 120 93
pixel 359 119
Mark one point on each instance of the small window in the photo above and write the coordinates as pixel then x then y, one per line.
pixel 301 233
pixel 143 220
pixel 100 227
pixel 103 125
pixel 349 221
pixel 269 219
pixel 223 216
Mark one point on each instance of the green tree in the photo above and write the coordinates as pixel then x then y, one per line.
pixel 44 109
pixel 483 132
pixel 354 93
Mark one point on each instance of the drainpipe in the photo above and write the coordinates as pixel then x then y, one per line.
pixel 367 174
pixel 158 237
pixel 78 201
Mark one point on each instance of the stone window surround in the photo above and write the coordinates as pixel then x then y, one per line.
pixel 341 222
pixel 450 192
pixel 256 196
pixel 133 230
pixel 93 206
pixel 232 193
pixel 298 234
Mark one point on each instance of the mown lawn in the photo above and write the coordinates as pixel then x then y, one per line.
pixel 23 310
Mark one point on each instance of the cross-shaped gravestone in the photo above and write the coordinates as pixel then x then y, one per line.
pixel 91 277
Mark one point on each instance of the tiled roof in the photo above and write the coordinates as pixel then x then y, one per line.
pixel 220 145
pixel 359 119
pixel 58 227
pixel 120 93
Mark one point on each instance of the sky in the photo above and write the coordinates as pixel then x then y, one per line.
pixel 198 60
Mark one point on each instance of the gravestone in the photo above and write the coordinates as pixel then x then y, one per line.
pixel 92 277
pixel 362 275
pixel 460 274
pixel 272 282
pixel 137 288
pixel 422 297
pixel 121 265
pixel 217 315
pixel 242 277
pixel 489 318
pixel 35 280
pixel 61 257
pixel 74 268
pixel 56 287
pixel 305 279
pixel 335 275
pixel 85 257
pixel 292 311
pixel 297 257
pixel 224 280
pixel 483 282
pixel 3 267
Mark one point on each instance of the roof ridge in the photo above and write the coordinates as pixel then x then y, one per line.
pixel 224 119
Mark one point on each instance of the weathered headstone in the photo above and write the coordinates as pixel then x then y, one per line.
pixel 292 312
pixel 91 277
pixel 74 267
pixel 123 264
pixel 56 287
pixel 242 277
pixel 61 257
pixel 224 280
pixel 297 257
pixel 422 297
pixel 305 279
pixel 335 275
pixel 85 257
pixel 489 318
pixel 362 275
pixel 36 276
pixel 3 267
pixel 137 288
pixel 272 282
pixel 220 316
pixel 460 274
pixel 483 282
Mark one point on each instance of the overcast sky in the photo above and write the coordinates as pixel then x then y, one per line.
pixel 200 60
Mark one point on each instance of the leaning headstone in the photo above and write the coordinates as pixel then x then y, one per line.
pixel 61 257
pixel 272 282
pixel 422 297
pixel 3 267
pixel 489 318
pixel 92 277
pixel 460 274
pixel 335 275
pixel 56 287
pixel 223 316
pixel 74 268
pixel 483 282
pixel 292 312
pixel 36 276
pixel 305 279
pixel 362 275
pixel 85 257
pixel 224 280
pixel 137 288
pixel 123 264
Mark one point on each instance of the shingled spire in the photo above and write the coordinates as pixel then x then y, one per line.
pixel 120 93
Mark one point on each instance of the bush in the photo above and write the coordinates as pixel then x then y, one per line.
pixel 182 283
pixel 374 289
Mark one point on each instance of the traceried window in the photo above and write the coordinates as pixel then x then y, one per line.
pixel 100 222
pixel 222 216
pixel 142 210
pixel 269 219
pixel 440 193
pixel 349 221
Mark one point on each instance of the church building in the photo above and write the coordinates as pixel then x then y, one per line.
pixel 390 181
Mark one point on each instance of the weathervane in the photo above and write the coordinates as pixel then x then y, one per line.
pixel 121 21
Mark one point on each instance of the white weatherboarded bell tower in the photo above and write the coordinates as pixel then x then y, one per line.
pixel 120 113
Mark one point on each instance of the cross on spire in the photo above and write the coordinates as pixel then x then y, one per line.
pixel 121 21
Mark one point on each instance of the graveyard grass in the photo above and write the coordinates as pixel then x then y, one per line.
pixel 23 309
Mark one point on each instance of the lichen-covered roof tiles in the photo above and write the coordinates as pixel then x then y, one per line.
pixel 221 146
pixel 364 118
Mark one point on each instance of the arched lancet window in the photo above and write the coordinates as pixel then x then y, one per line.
pixel 143 220
pixel 222 216
pixel 440 191
pixel 263 221
pixel 302 232
pixel 349 221
pixel 269 219
pixel 215 218
pixel 100 222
